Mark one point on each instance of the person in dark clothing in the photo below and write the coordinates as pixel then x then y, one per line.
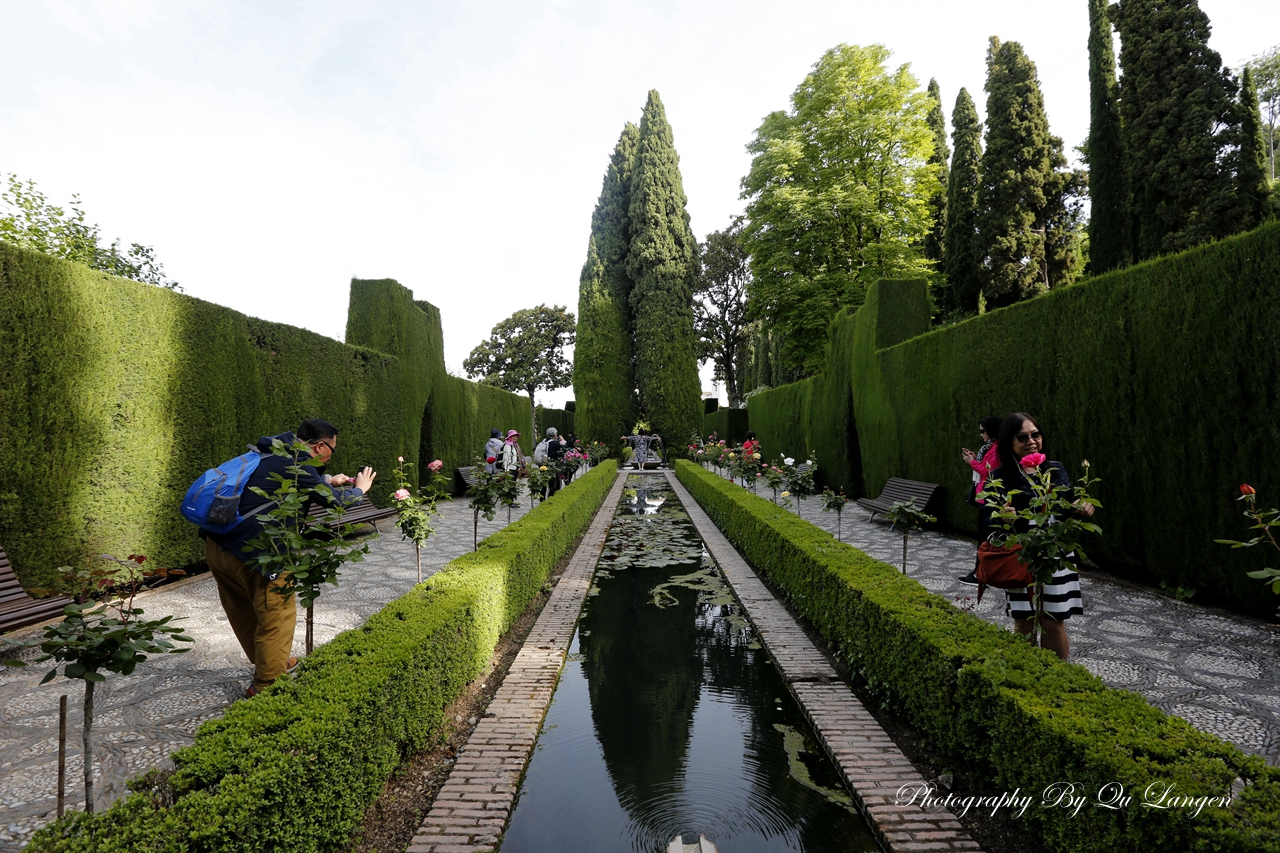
pixel 263 619
pixel 556 448
pixel 1020 436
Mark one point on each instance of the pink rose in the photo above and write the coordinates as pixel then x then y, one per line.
pixel 435 465
pixel 401 494
pixel 1032 460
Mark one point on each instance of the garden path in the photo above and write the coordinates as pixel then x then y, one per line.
pixel 140 719
pixel 1215 669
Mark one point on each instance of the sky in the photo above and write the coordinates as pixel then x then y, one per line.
pixel 270 152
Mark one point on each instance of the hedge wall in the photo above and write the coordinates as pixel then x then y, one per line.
pixel 730 423
pixel 561 419
pixel 989 700
pixel 1165 376
pixel 296 768
pixel 115 395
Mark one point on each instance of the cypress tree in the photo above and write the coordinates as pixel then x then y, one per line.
pixel 1110 226
pixel 1021 187
pixel 1178 116
pixel 1253 188
pixel 662 263
pixel 603 374
pixel 962 265
pixel 935 239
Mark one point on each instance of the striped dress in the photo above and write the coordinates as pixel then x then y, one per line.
pixel 1061 595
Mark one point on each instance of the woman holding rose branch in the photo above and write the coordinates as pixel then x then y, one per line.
pixel 1031 504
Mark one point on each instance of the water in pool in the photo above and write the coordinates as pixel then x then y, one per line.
pixel 670 718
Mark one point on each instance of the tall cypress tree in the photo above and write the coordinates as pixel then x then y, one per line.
pixel 1021 188
pixel 963 267
pixel 603 374
pixel 1253 188
pixel 1110 226
pixel 1179 118
pixel 662 263
pixel 935 240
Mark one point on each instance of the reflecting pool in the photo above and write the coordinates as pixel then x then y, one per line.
pixel 670 718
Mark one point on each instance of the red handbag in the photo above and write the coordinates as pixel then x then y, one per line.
pixel 1000 567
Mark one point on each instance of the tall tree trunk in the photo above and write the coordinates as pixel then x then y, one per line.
pixel 88 746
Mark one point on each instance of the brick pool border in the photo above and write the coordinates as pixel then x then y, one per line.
pixel 472 809
pixel 867 759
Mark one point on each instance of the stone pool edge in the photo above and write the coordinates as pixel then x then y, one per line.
pixel 473 807
pixel 870 763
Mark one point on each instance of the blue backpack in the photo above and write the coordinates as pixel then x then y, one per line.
pixel 213 501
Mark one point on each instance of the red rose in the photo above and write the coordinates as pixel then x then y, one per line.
pixel 1246 489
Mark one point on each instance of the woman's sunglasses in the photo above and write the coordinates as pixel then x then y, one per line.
pixel 1024 437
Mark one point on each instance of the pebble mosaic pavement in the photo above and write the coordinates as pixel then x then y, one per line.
pixel 1217 670
pixel 140 719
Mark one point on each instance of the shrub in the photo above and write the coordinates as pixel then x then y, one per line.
pixel 295 768
pixel 730 423
pixel 982 696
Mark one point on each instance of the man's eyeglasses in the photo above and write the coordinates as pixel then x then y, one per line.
pixel 1024 437
pixel 330 446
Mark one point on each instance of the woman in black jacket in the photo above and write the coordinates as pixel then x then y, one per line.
pixel 1020 436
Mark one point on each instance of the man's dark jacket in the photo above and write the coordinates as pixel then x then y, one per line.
pixel 235 539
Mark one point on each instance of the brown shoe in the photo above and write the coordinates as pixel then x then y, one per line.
pixel 250 692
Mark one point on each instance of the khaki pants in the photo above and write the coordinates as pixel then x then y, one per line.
pixel 262 618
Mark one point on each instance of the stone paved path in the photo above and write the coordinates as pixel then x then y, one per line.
pixel 1217 670
pixel 140 719
pixel 871 764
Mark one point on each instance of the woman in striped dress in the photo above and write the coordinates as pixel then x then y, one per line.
pixel 1019 436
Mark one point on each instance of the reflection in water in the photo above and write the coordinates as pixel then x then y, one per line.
pixel 669 717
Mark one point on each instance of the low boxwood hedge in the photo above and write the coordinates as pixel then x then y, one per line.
pixel 987 699
pixel 296 768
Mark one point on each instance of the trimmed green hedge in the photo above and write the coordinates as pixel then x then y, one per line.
pixel 115 396
pixel 296 768
pixel 987 698
pixel 1164 375
pixel 731 424
pixel 561 419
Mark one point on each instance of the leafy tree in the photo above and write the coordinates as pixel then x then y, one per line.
pixel 1178 116
pixel 838 195
pixel 1110 225
pixel 663 265
pixel 1265 70
pixel 603 372
pixel 935 240
pixel 29 220
pixel 720 312
pixel 962 262
pixel 1253 185
pixel 1023 193
pixel 525 352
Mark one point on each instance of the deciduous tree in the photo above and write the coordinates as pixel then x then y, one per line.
pixel 525 352
pixel 720 310
pixel 838 195
pixel 1265 70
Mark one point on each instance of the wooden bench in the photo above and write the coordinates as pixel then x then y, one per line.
pixel 898 489
pixel 17 609
pixel 361 512
pixel 467 475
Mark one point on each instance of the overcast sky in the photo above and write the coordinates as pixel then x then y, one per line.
pixel 272 151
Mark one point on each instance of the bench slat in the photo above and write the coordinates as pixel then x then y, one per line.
pixel 17 608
